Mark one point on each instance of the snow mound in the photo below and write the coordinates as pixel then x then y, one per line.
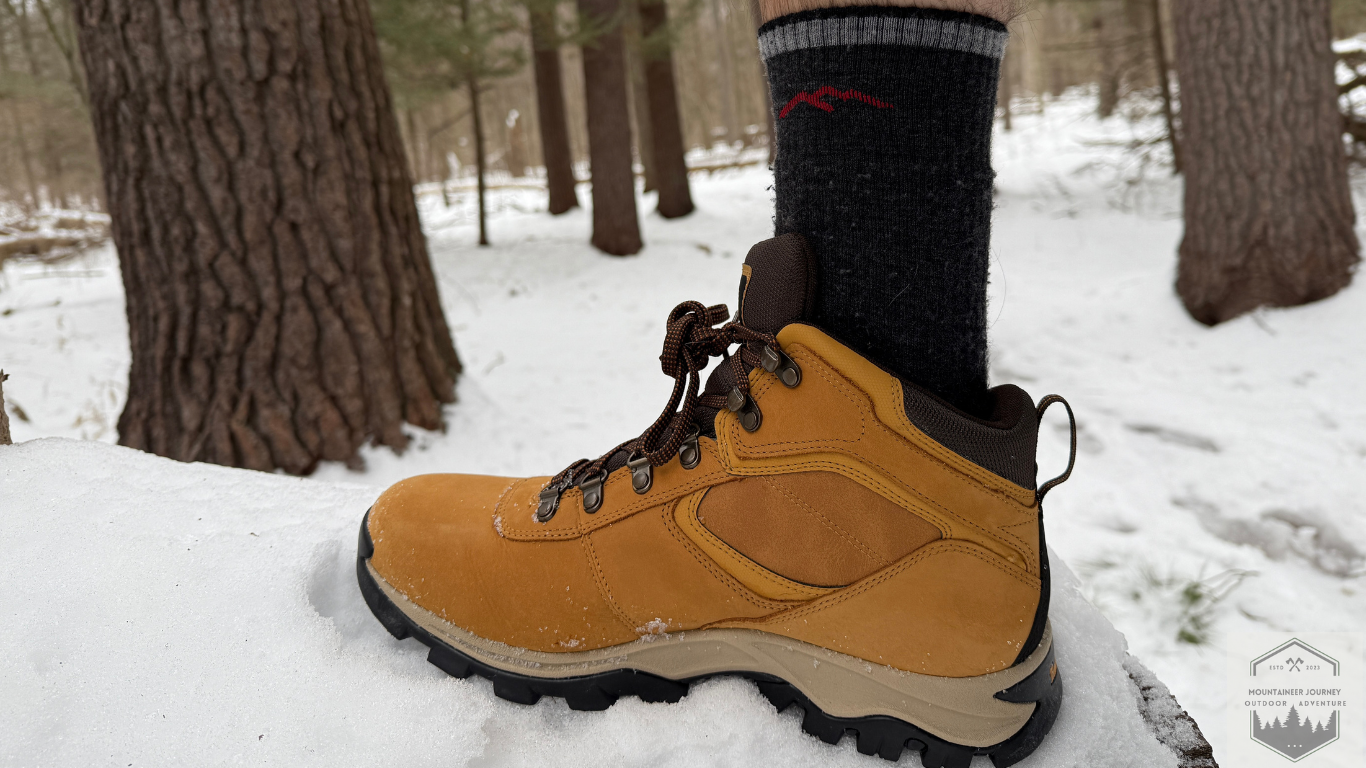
pixel 168 614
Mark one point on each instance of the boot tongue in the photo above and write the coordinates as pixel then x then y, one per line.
pixel 777 284
pixel 777 287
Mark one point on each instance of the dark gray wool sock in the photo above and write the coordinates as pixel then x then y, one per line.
pixel 883 119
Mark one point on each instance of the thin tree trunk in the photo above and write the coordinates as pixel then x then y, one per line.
pixel 756 17
pixel 1108 79
pixel 59 29
pixel 640 96
pixel 671 168
pixel 25 156
pixel 5 438
pixel 1164 79
pixel 281 305
pixel 52 161
pixel 21 137
pixel 1005 92
pixel 412 145
pixel 559 160
pixel 480 160
pixel 616 229
pixel 1269 219
pixel 726 89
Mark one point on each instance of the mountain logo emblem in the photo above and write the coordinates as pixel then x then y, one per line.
pixel 1292 734
pixel 818 97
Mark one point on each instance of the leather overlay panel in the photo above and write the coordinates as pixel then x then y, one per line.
pixel 753 575
pixel 817 528
pixel 436 543
pixel 884 453
pixel 660 582
pixel 950 609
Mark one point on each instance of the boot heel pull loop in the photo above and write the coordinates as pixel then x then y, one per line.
pixel 1072 456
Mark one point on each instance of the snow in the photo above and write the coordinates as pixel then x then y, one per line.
pixel 157 610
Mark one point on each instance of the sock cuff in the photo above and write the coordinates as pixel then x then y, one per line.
pixel 910 27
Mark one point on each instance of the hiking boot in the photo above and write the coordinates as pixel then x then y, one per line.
pixel 848 541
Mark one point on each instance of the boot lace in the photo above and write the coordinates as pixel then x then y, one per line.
pixel 691 340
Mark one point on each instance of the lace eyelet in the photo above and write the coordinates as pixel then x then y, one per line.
pixel 690 453
pixel 743 406
pixel 550 504
pixel 642 474
pixel 776 362
pixel 592 492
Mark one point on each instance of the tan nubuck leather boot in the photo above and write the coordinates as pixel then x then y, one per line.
pixel 848 541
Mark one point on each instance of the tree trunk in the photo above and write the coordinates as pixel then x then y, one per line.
pixel 726 88
pixel 281 305
pixel 480 158
pixel 5 438
pixel 559 161
pixel 1164 79
pixel 755 16
pixel 616 230
pixel 640 95
pixel 1269 219
pixel 52 161
pixel 666 125
pixel 1107 79
pixel 1005 91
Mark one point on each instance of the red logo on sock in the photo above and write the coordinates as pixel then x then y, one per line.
pixel 817 99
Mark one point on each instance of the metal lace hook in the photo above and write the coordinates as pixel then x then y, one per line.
pixel 1071 458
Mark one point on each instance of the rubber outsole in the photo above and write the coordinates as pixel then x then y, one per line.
pixel 881 735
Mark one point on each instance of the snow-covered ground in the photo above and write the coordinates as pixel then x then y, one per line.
pixel 154 609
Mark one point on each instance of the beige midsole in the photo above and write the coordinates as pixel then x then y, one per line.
pixel 962 710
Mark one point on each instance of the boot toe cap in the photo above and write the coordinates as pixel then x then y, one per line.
pixel 437 542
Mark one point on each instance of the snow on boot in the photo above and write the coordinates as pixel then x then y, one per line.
pixel 847 540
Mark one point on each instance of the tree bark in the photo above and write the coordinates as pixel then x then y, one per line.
pixel 559 160
pixel 281 304
pixel 616 229
pixel 1269 219
pixel 666 125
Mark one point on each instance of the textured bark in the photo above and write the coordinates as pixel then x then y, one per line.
pixel 1269 219
pixel 666 127
pixel 616 229
pixel 281 305
pixel 4 415
pixel 559 161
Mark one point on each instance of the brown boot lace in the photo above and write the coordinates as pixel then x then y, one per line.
pixel 691 341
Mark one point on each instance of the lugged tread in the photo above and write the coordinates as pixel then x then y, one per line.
pixel 885 736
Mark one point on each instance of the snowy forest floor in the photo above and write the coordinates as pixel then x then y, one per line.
pixel 1219 484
